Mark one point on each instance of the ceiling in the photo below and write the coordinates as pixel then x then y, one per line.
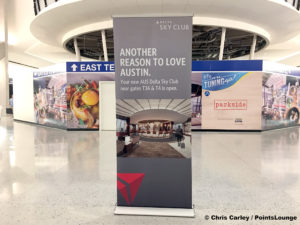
pixel 23 47
pixel 38 40
pixel 146 109
pixel 205 43
pixel 159 115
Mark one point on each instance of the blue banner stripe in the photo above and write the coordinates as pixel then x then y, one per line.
pixel 228 65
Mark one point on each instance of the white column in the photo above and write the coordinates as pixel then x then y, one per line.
pixel 104 45
pixel 77 50
pixel 4 80
pixel 223 35
pixel 252 50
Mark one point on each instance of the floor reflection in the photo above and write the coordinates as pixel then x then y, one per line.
pixel 280 157
pixel 69 176
pixel 83 154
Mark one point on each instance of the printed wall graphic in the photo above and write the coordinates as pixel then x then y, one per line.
pixel 230 95
pixel 83 99
pixel 225 95
pixel 153 107
pixel 281 100
pixel 50 106
pixel 83 92
pixel 196 98
pixel 67 95
pixel 52 102
pixel 231 100
pixel 219 81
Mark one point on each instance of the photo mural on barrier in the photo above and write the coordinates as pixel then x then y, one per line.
pixel 196 97
pixel 281 100
pixel 226 95
pixel 153 110
pixel 50 106
pixel 231 100
pixel 83 92
pixel 67 95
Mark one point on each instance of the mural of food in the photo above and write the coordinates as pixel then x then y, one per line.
pixel 83 101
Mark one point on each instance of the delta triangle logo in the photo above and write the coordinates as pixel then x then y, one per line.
pixel 128 184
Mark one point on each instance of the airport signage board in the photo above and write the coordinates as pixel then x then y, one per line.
pixel 153 91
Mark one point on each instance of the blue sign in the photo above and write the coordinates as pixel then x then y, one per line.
pixel 207 93
pixel 90 67
pixel 220 81
pixel 228 65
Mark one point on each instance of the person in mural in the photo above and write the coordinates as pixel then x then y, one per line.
pixel 179 134
pixel 121 136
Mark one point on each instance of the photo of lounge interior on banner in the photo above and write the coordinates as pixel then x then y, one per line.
pixel 154 128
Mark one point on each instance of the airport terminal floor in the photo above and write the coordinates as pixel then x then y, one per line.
pixel 50 176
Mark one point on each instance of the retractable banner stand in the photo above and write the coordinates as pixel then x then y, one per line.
pixel 153 107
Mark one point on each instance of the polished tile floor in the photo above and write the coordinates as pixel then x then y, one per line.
pixel 52 177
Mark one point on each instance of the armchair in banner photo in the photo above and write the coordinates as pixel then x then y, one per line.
pixel 162 131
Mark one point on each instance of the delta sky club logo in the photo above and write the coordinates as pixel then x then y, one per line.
pixel 128 184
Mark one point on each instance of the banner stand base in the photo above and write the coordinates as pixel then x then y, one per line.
pixel 151 211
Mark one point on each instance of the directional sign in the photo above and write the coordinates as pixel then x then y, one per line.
pixel 90 67
pixel 74 67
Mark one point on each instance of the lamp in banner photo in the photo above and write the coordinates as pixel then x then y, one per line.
pixel 153 111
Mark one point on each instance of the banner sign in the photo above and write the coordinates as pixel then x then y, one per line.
pixel 153 91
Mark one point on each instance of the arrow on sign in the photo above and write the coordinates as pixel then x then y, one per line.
pixel 74 67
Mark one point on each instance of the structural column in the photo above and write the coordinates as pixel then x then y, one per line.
pixel 4 80
pixel 223 35
pixel 252 50
pixel 104 45
pixel 77 50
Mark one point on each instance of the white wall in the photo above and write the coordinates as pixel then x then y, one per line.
pixel 3 86
pixel 23 91
pixel 107 105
